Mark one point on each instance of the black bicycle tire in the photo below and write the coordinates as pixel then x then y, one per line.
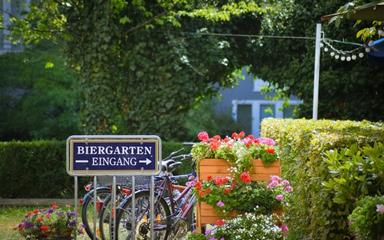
pixel 128 201
pixel 87 199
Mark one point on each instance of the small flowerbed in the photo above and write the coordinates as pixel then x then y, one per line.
pixel 249 226
pixel 50 223
pixel 238 150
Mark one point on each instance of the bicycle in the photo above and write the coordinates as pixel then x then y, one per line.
pixel 173 211
pixel 104 197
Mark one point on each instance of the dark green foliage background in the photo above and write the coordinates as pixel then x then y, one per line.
pixel 303 143
pixel 36 102
pixel 37 169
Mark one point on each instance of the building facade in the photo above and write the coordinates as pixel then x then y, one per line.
pixel 9 9
pixel 248 105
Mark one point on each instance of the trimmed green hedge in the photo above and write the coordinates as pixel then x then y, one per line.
pixel 37 169
pixel 303 143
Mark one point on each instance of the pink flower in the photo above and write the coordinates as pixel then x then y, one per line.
pixel 285 183
pixel 288 189
pixel 273 184
pixel 203 136
pixel 220 204
pixel 380 208
pixel 284 228
pixel 266 141
pixel 280 197
pixel 275 178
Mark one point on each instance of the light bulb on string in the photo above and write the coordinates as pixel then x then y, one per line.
pixel 353 57
pixel 337 56
pixel 325 49
pixel 332 54
pixel 361 55
pixel 342 58
pixel 321 45
pixel 367 50
pixel 348 58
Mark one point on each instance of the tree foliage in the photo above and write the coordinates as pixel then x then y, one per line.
pixel 38 97
pixel 143 65
pixel 348 90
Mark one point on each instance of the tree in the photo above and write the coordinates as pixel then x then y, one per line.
pixel 38 97
pixel 348 90
pixel 139 66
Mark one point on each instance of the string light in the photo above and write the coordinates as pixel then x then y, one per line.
pixel 343 55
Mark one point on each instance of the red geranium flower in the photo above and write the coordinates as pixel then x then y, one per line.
pixel 245 177
pixel 203 136
pixel 214 145
pixel 235 135
pixel 209 178
pixel 44 228
pixel 39 219
pixel 198 185
pixel 270 150
pixel 220 222
pixel 227 190
pixel 220 181
pixel 216 138
pixel 54 206
pixel 36 211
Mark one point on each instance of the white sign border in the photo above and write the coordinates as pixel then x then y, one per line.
pixel 132 138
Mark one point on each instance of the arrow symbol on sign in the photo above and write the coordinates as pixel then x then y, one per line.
pixel 147 161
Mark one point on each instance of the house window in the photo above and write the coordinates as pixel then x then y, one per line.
pixel 267 110
pixel 288 111
pixel 244 117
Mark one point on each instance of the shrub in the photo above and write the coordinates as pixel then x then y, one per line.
pixel 303 143
pixel 37 169
pixel 367 219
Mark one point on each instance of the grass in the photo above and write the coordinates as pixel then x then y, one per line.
pixel 10 217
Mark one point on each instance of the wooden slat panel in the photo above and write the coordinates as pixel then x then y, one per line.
pixel 219 168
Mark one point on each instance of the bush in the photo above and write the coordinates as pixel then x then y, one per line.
pixel 37 169
pixel 313 214
pixel 367 219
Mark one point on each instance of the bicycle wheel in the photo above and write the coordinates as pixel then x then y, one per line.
pixel 162 222
pixel 105 218
pixel 87 210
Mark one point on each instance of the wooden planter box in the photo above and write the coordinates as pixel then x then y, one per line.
pixel 219 168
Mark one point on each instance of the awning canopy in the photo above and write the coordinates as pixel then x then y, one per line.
pixel 370 11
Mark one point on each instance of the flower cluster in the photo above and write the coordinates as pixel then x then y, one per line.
pixel 280 187
pixel 248 226
pixel 50 223
pixel 238 149
pixel 241 194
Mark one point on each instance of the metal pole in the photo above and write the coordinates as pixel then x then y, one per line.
pixel 133 227
pixel 152 207
pixel 316 73
pixel 94 206
pixel 114 207
pixel 76 197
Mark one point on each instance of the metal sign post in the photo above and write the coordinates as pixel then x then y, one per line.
pixel 114 155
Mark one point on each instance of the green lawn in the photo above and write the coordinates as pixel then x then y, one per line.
pixel 10 217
